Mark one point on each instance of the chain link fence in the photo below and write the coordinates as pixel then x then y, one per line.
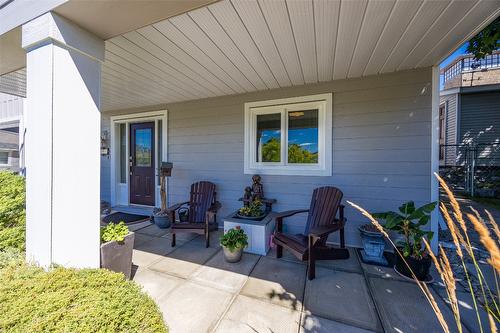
pixel 472 169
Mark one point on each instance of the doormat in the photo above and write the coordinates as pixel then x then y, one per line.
pixel 117 217
pixel 389 256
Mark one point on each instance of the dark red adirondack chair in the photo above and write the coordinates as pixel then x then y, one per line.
pixel 202 207
pixel 321 222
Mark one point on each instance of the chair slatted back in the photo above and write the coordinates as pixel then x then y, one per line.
pixel 202 196
pixel 325 203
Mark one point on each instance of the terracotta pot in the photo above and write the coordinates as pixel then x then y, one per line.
pixel 234 256
pixel 117 257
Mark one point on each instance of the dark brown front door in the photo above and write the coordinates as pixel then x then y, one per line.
pixel 142 164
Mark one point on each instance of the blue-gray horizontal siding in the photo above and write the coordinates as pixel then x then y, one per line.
pixel 381 146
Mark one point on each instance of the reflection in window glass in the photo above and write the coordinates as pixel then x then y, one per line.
pixel 269 137
pixel 123 153
pixel 143 147
pixel 303 136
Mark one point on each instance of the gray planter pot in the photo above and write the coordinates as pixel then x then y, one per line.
pixel 117 257
pixel 162 221
pixel 232 256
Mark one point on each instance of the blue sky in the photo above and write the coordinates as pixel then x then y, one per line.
pixel 458 52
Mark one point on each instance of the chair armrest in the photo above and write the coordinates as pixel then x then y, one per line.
pixel 177 206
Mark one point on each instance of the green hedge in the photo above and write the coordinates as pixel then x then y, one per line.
pixel 12 211
pixel 69 300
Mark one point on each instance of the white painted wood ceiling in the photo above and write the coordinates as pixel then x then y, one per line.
pixel 242 46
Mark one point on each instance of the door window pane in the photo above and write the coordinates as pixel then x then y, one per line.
pixel 143 147
pixel 123 153
pixel 303 136
pixel 4 157
pixel 268 137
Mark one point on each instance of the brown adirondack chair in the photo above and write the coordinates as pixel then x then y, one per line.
pixel 321 222
pixel 202 217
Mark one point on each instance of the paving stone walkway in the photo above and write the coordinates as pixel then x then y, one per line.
pixel 198 291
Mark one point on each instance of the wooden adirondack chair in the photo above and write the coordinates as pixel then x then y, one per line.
pixel 321 221
pixel 202 217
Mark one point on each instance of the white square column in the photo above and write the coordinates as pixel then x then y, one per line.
pixel 63 124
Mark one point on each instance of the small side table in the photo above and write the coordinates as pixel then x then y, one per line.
pixel 258 232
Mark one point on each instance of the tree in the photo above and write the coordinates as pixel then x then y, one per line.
pixel 486 41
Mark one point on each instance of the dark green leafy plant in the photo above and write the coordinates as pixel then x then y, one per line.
pixel 409 222
pixel 254 209
pixel 486 41
pixel 234 239
pixel 114 232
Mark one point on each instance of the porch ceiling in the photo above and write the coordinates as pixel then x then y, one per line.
pixel 241 46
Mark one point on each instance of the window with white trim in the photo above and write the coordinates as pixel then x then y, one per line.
pixel 291 136
pixel 4 158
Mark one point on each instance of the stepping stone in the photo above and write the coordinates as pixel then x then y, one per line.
pixel 467 311
pixel 156 245
pixel 404 308
pixel 153 230
pixel 350 265
pixel 277 281
pixel 156 284
pixel 315 324
pixel 220 274
pixel 184 260
pixel 144 259
pixel 249 315
pixel 193 308
pixel 341 296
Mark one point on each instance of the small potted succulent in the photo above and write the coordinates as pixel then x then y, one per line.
pixel 117 244
pixel 409 223
pixel 233 242
pixel 253 211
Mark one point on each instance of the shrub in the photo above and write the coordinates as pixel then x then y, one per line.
pixel 70 300
pixel 12 211
pixel 114 232
pixel 234 239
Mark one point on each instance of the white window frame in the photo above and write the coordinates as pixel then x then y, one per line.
pixel 8 158
pixel 322 102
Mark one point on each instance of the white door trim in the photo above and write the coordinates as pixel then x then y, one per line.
pixel 115 121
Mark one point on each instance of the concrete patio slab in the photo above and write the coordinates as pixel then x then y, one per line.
pixel 287 256
pixel 193 308
pixel 144 259
pixel 341 296
pixel 250 315
pixel 140 225
pixel 404 308
pixel 220 274
pixel 315 324
pixel 467 311
pixel 350 265
pixel 156 284
pixel 381 272
pixel 153 230
pixel 185 236
pixel 214 239
pixel 184 260
pixel 277 281
pixel 157 245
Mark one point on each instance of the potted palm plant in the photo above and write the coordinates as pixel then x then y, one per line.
pixel 233 242
pixel 117 244
pixel 409 222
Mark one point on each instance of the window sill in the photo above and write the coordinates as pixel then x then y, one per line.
pixel 283 171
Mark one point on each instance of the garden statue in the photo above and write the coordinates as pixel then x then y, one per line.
pixel 247 197
pixel 257 188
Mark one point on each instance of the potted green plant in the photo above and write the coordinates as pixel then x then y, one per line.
pixel 409 223
pixel 117 244
pixel 233 242
pixel 253 211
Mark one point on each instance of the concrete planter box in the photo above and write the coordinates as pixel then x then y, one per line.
pixel 117 257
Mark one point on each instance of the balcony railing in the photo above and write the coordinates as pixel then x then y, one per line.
pixel 468 64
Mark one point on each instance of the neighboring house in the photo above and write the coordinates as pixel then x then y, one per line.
pixel 470 110
pixel 11 115
pixel 305 93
